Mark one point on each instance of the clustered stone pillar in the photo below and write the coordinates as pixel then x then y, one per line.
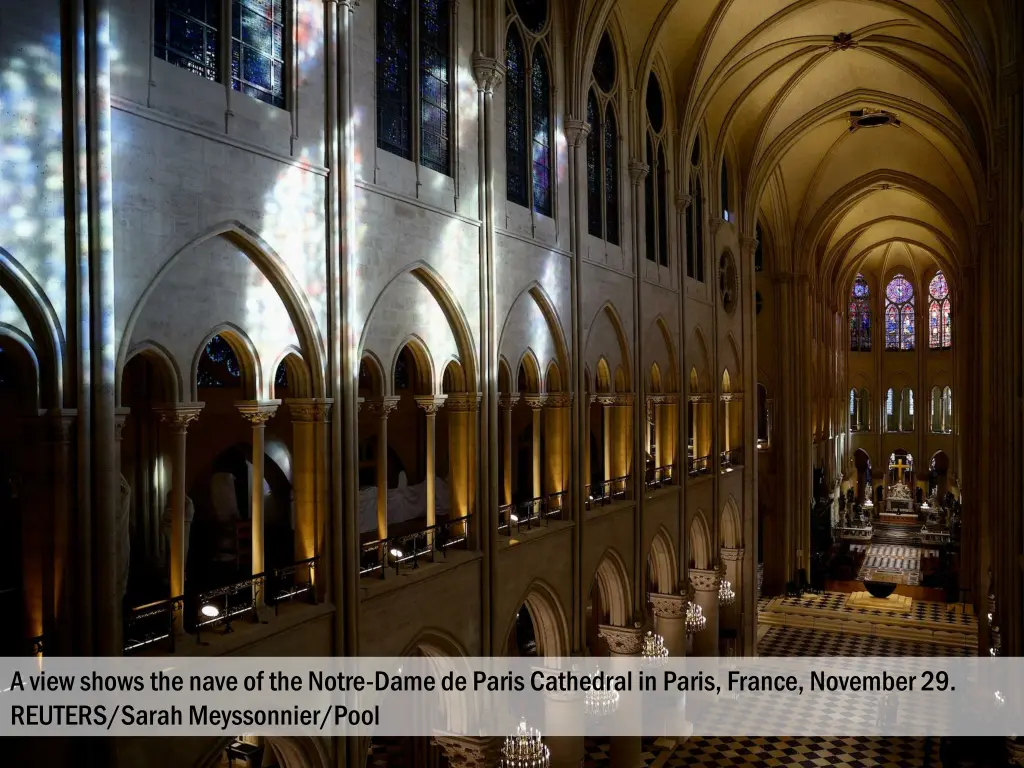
pixel 705 587
pixel 178 417
pixel 258 413
pixel 624 641
pixel 381 408
pixel 431 404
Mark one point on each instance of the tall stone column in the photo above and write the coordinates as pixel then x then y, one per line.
pixel 556 422
pixel 734 616
pixel 431 404
pixel 670 622
pixel 178 417
pixel 461 408
pixel 258 413
pixel 57 426
pixel 307 414
pixel 508 402
pixel 624 641
pixel 705 586
pixel 380 408
pixel 536 403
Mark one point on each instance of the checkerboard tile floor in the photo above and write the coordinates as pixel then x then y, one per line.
pixel 798 641
pixel 942 613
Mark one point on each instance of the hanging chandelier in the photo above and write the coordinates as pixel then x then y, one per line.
pixel 654 647
pixel 695 621
pixel 524 749
pixel 725 594
pixel 600 703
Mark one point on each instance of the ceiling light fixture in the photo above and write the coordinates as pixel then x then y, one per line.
pixel 871 118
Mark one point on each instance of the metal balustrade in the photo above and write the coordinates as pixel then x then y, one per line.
pixel 147 625
pixel 406 550
pixel 531 513
pixel 699 465
pixel 608 491
pixel 659 477
pixel 732 458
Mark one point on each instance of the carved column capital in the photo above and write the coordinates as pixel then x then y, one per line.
pixel 309 409
pixel 732 554
pixel 258 412
pixel 470 751
pixel 705 579
pixel 508 402
pixel 638 171
pixel 576 131
pixel 57 424
pixel 431 404
pixel 488 72
pixel 622 641
pixel 179 415
pixel 748 244
pixel 120 416
pixel 669 606
pixel 683 202
pixel 382 406
pixel 463 402
pixel 558 400
pixel 536 402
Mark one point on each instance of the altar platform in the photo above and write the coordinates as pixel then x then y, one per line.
pixel 950 625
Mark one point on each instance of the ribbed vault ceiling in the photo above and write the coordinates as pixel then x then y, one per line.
pixel 773 82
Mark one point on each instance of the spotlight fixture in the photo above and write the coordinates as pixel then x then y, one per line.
pixel 396 553
pixel 210 611
pixel 524 749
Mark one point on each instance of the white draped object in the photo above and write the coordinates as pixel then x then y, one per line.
pixel 406 502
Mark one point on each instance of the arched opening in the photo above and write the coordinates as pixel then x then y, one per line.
pixel 539 626
pixel 609 601
pixel 698 544
pixel 529 444
pixel 938 476
pixel 26 546
pixel 862 463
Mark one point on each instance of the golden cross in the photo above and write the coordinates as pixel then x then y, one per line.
pixel 900 465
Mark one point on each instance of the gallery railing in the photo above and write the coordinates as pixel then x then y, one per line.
pixel 146 626
pixel 659 477
pixel 531 513
pixel 406 550
pixel 699 465
pixel 220 606
pixel 292 581
pixel 732 458
pixel 604 493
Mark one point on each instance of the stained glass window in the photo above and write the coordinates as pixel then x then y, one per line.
pixel 218 366
pixel 604 64
pixel 611 176
pixel 534 14
pixel 860 316
pixel 257 49
pixel 541 104
pixel 649 216
pixel 435 80
pixel 517 130
pixel 891 420
pixel 281 377
pixel 662 178
pixel 698 225
pixel 394 77
pixel 725 190
pixel 940 330
pixel 899 314
pixel 186 33
pixel 853 405
pixel 594 170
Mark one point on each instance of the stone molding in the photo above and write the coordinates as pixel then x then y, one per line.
pixel 576 131
pixel 179 415
pixel 667 399
pixel 57 424
pixel 705 580
pixel 716 225
pixel 748 244
pixel 683 202
pixel 382 406
pixel 669 606
pixel 620 399
pixel 431 403
pixel 638 171
pixel 699 397
pixel 463 402
pixel 508 402
pixel 732 554
pixel 622 641
pixel 258 412
pixel 120 416
pixel 735 397
pixel 488 72
pixel 309 409
pixel 470 751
